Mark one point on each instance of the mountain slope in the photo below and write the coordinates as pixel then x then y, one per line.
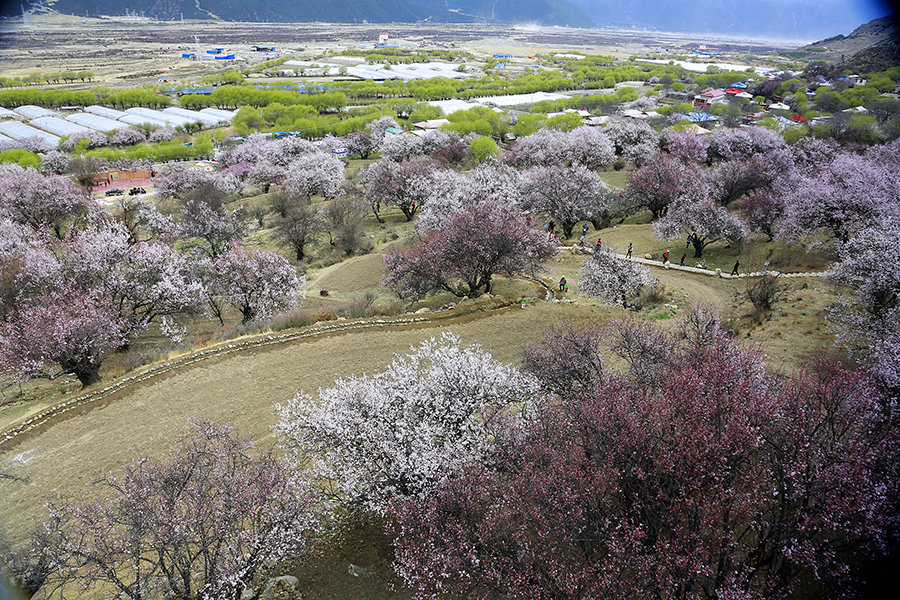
pixel 545 12
pixel 794 19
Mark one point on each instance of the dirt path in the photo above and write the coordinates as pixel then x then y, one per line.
pixel 65 456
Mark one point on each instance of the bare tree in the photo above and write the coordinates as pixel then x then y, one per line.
pixel 344 217
pixel 764 291
pixel 301 226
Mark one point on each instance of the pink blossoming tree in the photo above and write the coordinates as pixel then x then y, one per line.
pixel 209 521
pixel 464 255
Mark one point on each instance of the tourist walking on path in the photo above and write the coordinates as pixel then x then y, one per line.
pixel 584 229
pixel 683 256
pixel 630 248
pixel 737 264
pixel 563 286
pixel 666 257
pixel 599 244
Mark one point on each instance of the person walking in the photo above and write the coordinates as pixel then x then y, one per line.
pixel 688 241
pixel 666 257
pixel 584 229
pixel 562 284
pixel 598 246
pixel 683 257
pixel 734 271
pixel 630 250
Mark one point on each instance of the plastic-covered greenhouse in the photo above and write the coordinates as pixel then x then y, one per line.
pixel 172 120
pixel 135 119
pixel 31 111
pixel 192 114
pixel 95 122
pixel 225 116
pixel 18 131
pixel 103 111
pixel 58 126
pixel 5 113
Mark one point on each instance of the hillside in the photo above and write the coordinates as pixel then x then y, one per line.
pixel 872 46
pixel 798 19
pixel 545 12
pixel 865 36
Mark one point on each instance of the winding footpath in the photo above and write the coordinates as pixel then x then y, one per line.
pixel 9 437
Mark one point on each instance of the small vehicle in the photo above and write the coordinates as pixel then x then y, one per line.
pixel 114 192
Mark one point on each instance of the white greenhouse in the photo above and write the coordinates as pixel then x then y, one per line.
pixel 19 131
pixel 134 119
pixel 29 111
pixel 103 111
pixel 95 122
pixel 5 113
pixel 226 116
pixel 172 120
pixel 58 126
pixel 207 120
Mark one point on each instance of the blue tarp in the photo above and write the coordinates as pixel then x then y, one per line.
pixel 699 117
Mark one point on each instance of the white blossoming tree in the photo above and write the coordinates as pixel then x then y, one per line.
pixel 611 278
pixel 393 435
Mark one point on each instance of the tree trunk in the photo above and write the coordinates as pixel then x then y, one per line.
pixel 87 375
pixel 601 223
pixel 698 245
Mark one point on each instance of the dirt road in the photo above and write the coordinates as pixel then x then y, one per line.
pixel 65 457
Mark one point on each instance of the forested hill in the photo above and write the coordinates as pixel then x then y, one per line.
pixel 545 12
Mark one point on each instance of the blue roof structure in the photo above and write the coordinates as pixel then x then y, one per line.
pixel 699 117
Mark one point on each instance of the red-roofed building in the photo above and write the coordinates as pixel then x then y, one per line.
pixel 733 91
pixel 710 97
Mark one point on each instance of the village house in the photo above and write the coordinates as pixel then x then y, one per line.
pixel 710 97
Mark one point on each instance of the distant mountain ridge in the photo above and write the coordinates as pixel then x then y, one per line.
pixel 794 19
pixel 867 34
pixel 544 12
